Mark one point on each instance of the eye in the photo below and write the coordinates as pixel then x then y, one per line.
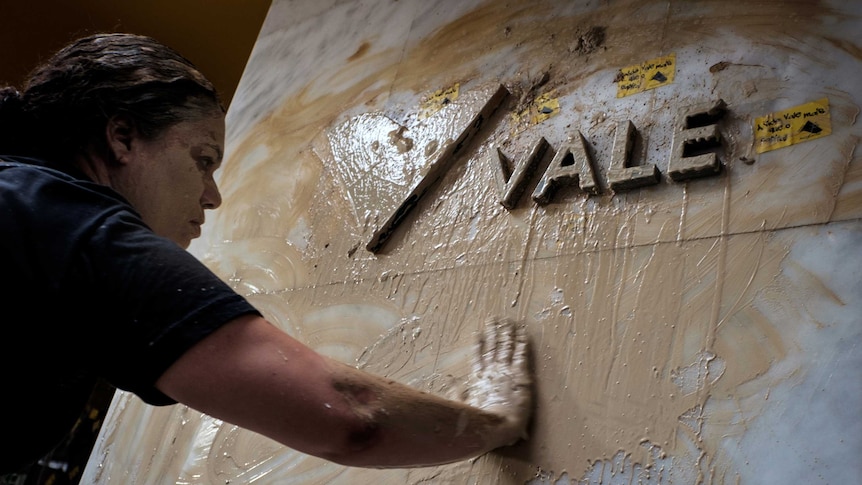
pixel 205 164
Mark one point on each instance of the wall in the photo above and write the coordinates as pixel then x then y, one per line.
pixel 695 322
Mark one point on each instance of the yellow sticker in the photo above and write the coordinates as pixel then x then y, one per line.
pixel 795 125
pixel 543 108
pixel 438 100
pixel 648 75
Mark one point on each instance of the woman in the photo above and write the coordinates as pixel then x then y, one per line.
pixel 108 156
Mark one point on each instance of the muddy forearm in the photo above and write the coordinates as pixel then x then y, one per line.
pixel 404 427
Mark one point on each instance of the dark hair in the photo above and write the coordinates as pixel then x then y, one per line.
pixel 67 101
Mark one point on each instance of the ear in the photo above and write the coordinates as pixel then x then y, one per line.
pixel 119 136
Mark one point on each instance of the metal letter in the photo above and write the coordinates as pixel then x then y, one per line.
pixel 571 164
pixel 510 185
pixel 695 144
pixel 620 175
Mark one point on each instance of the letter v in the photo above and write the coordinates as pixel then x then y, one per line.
pixel 511 185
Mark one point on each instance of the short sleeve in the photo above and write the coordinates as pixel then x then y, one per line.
pixel 152 301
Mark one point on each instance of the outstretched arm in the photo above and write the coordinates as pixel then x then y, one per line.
pixel 253 375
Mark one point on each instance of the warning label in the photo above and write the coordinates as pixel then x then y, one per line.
pixel 543 107
pixel 438 100
pixel 795 125
pixel 648 75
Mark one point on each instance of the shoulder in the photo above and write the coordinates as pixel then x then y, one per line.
pixel 41 187
pixel 32 173
pixel 47 216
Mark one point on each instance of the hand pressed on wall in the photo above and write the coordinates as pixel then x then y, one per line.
pixel 502 382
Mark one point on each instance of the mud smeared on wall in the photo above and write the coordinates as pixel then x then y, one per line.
pixel 679 328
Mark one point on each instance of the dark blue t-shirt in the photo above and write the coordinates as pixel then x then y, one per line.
pixel 88 291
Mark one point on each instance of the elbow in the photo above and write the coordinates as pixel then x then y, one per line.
pixel 355 445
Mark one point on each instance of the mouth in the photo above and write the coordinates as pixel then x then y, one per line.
pixel 196 228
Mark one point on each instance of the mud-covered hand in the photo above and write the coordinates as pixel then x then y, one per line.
pixel 502 383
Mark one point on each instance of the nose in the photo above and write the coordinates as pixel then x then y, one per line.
pixel 211 198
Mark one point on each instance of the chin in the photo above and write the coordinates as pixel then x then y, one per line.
pixel 183 236
pixel 183 240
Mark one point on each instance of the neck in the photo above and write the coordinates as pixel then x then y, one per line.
pixel 95 167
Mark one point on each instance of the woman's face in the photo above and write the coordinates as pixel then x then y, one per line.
pixel 173 183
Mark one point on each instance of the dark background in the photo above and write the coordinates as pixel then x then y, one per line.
pixel 216 35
